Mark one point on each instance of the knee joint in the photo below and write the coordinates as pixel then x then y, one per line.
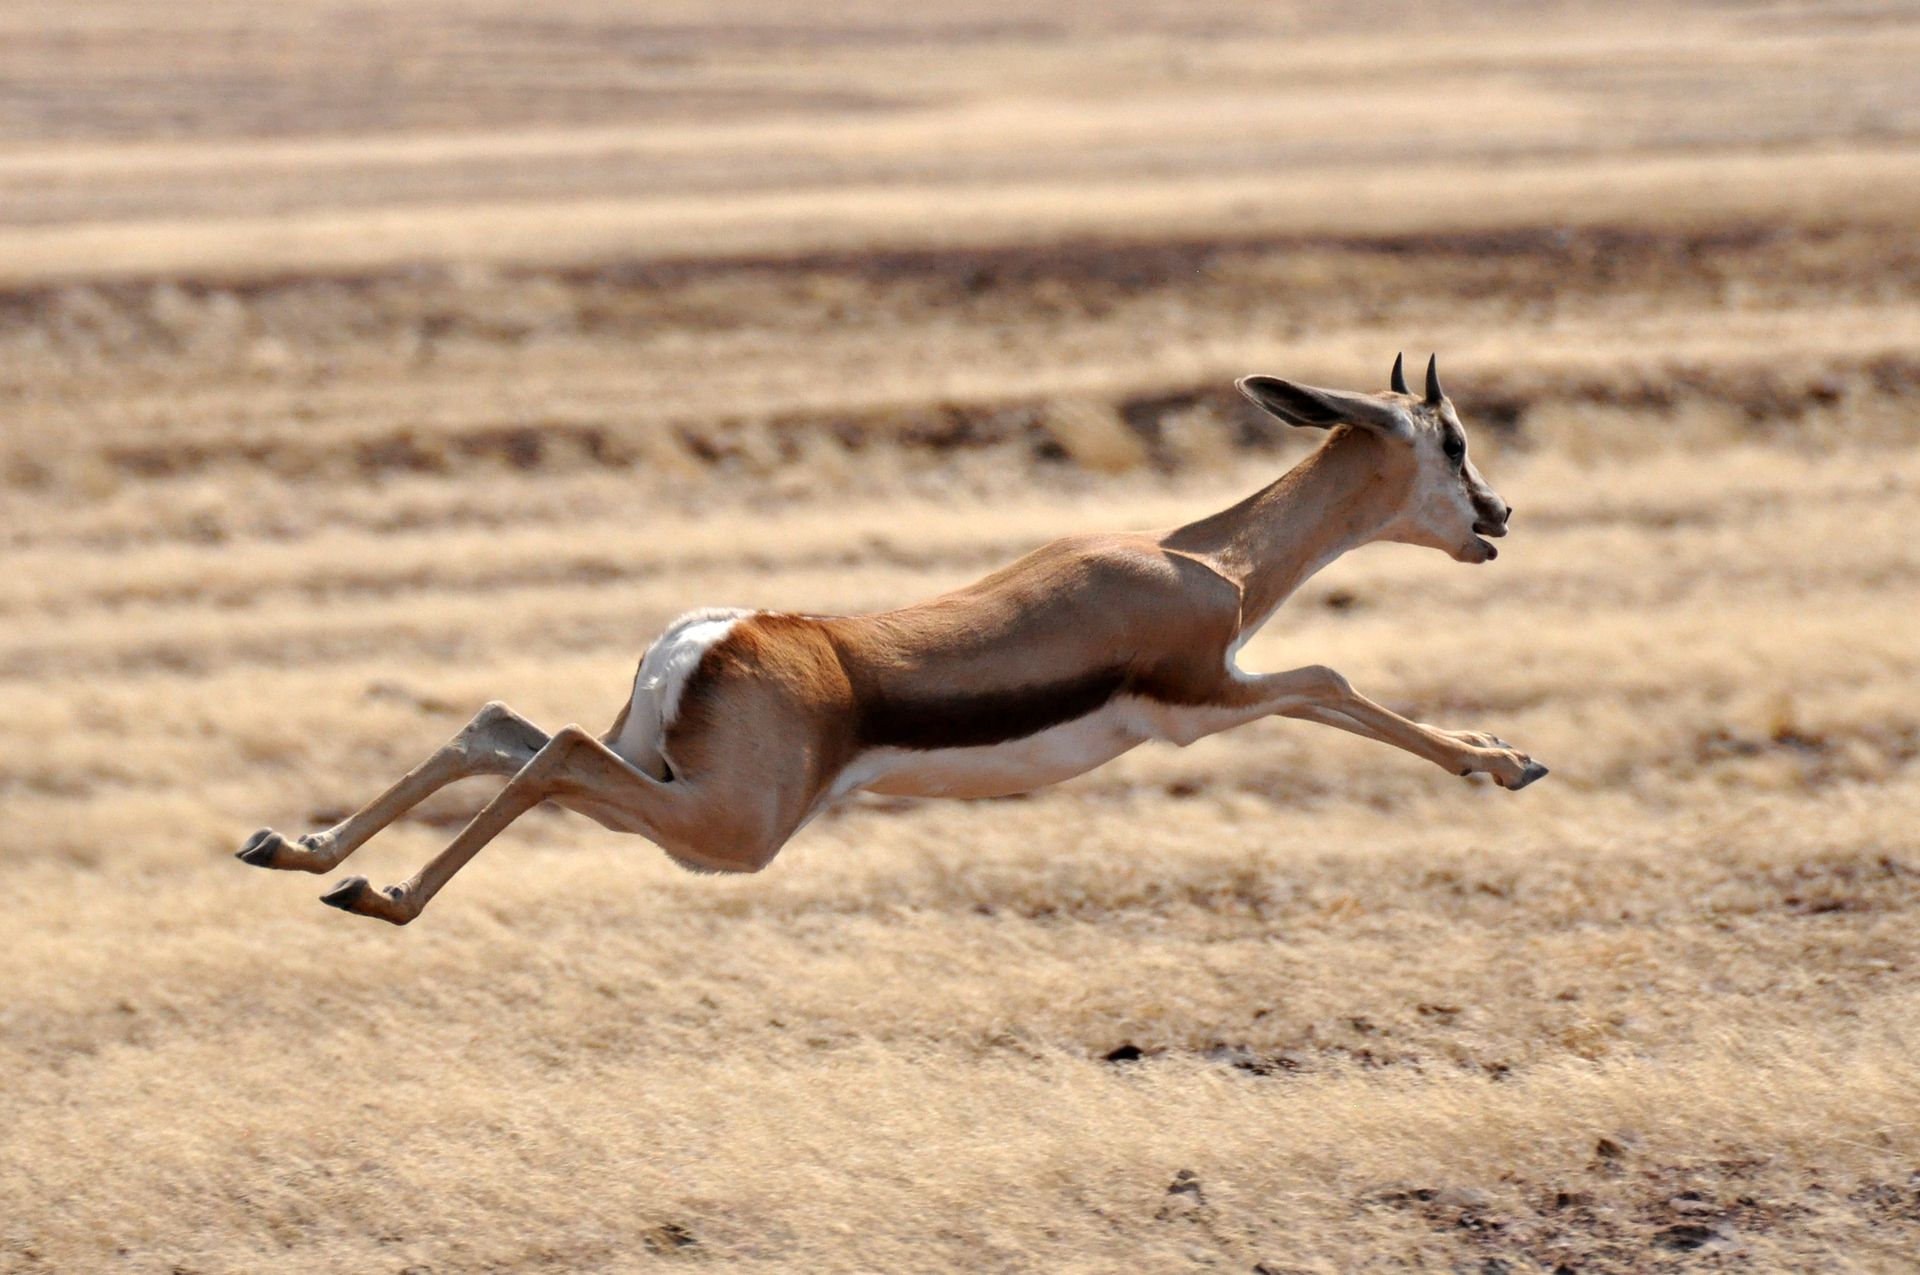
pixel 562 742
pixel 493 715
pixel 1325 683
pixel 498 732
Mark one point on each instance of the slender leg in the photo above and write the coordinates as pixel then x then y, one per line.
pixel 1322 695
pixel 497 741
pixel 740 831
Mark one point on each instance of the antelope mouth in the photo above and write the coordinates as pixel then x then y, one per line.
pixel 1475 551
pixel 1484 529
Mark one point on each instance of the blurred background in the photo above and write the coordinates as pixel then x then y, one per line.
pixel 362 362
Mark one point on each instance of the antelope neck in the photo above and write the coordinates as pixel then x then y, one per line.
pixel 1337 499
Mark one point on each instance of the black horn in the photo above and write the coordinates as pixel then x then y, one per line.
pixel 1434 392
pixel 1398 381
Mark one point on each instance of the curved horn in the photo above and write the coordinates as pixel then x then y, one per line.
pixel 1434 392
pixel 1398 381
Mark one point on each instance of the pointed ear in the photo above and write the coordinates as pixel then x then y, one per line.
pixel 1317 408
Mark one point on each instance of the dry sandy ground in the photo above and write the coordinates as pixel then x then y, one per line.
pixel 362 365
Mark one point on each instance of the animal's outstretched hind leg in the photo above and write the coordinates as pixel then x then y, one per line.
pixel 498 741
pixel 580 772
pixel 548 774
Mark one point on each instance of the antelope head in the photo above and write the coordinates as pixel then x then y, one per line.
pixel 1437 497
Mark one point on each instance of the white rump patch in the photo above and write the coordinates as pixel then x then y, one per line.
pixel 662 678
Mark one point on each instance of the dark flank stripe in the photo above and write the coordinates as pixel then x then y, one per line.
pixel 973 719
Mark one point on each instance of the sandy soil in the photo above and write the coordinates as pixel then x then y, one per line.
pixel 364 364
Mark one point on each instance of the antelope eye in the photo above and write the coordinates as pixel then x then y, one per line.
pixel 1455 447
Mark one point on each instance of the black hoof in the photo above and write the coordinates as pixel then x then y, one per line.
pixel 346 894
pixel 1533 771
pixel 260 848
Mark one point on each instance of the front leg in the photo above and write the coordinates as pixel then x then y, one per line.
pixel 1318 694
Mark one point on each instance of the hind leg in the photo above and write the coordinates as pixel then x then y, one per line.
pixel 497 741
pixel 581 773
pixel 555 771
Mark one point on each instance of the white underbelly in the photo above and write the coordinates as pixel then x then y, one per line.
pixel 1034 761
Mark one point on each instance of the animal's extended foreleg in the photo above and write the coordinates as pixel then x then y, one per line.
pixel 497 741
pixel 1462 752
pixel 1321 695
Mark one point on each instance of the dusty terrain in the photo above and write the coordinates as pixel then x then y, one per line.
pixel 363 364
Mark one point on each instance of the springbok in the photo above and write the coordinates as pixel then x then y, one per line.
pixel 743 725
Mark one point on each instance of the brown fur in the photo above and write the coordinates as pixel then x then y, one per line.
pixel 1090 616
pixel 778 709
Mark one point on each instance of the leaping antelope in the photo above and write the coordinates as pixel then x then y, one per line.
pixel 743 725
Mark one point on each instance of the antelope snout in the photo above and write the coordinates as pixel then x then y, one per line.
pixel 1493 518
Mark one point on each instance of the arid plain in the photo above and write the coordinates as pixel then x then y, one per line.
pixel 362 363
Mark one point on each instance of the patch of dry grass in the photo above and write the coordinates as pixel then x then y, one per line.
pixel 282 504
